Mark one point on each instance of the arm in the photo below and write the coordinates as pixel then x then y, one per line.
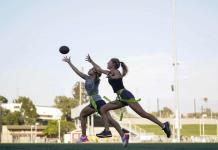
pixel 97 67
pixel 82 75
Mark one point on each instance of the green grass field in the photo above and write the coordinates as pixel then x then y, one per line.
pixel 154 146
pixel 187 130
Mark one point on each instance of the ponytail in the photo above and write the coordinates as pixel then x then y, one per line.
pixel 124 68
pixel 117 63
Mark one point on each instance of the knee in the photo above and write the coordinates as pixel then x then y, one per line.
pixel 103 110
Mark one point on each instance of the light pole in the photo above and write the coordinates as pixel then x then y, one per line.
pixel 36 124
pixel 80 93
pixel 203 125
pixel 31 133
pixel 203 133
pixel 59 131
pixel 200 120
pixel 175 67
pixel 80 89
pixel 195 108
pixel 0 121
pixel 92 123
pixel 217 127
pixel 158 108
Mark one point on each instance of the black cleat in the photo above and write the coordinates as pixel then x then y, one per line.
pixel 167 129
pixel 104 134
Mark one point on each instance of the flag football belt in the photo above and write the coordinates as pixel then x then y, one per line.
pixel 119 98
pixel 93 102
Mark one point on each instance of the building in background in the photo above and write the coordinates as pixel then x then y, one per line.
pixel 29 133
pixel 23 134
pixel 44 112
pixel 48 113
pixel 12 106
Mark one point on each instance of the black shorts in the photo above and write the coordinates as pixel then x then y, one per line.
pixel 99 104
pixel 125 96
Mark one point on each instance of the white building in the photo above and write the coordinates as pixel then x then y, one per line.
pixel 44 112
pixel 48 113
pixel 12 106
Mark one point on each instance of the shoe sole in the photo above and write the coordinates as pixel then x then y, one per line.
pixel 104 136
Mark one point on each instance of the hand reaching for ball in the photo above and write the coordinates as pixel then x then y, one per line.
pixel 88 58
pixel 66 59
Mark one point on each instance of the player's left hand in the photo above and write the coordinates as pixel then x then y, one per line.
pixel 66 59
pixel 88 58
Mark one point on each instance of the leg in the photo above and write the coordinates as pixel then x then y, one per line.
pixel 83 117
pixel 115 124
pixel 104 110
pixel 140 111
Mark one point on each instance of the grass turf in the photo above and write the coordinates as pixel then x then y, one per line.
pixel 187 130
pixel 154 146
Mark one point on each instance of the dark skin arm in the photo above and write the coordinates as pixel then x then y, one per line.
pixel 112 74
pixel 97 67
pixel 79 73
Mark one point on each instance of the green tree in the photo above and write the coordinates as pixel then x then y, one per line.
pixel 65 104
pixel 194 115
pixel 12 118
pixel 28 110
pixel 67 126
pixel 208 112
pixel 76 92
pixel 165 112
pixel 3 99
pixel 52 128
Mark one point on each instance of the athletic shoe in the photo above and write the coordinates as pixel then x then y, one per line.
pixel 125 140
pixel 104 134
pixel 167 129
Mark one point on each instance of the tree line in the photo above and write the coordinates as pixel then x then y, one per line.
pixel 28 115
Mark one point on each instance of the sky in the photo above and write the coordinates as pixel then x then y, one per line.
pixel 137 32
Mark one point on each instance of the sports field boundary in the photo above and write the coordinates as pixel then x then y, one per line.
pixel 146 146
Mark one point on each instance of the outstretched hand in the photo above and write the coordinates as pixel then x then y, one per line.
pixel 66 59
pixel 88 58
